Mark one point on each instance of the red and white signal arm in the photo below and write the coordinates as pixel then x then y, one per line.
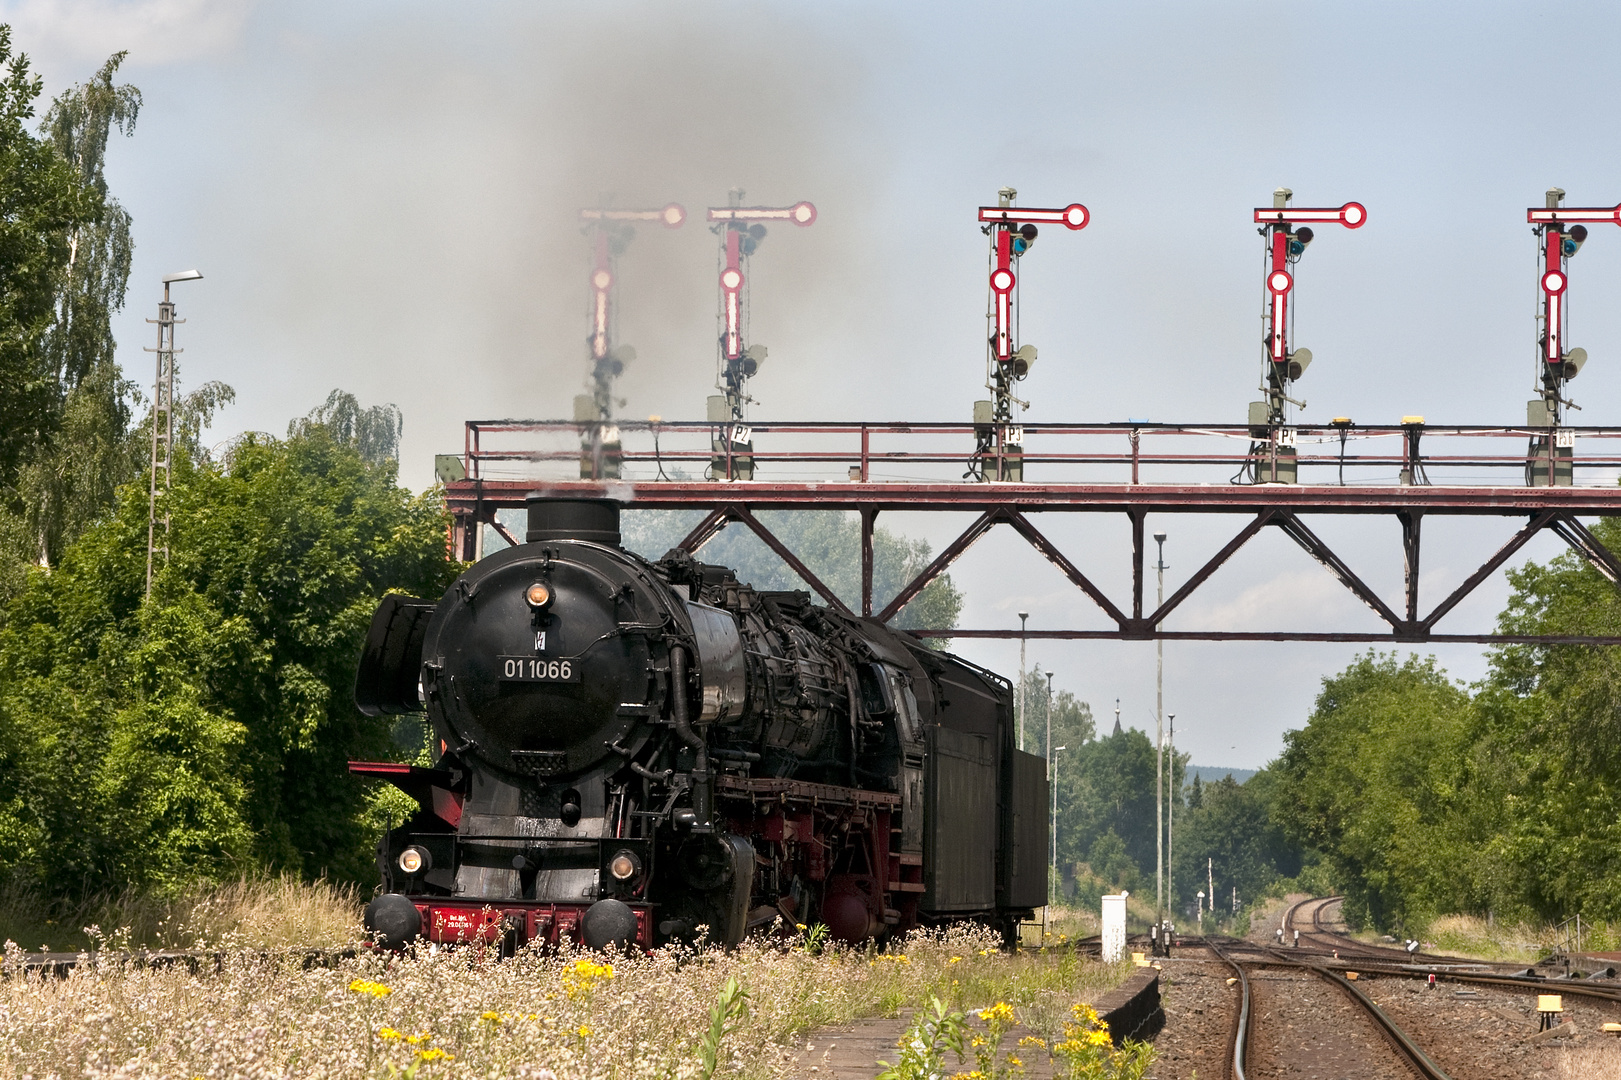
pixel 801 213
pixel 1575 215
pixel 1074 216
pixel 1353 215
pixel 670 216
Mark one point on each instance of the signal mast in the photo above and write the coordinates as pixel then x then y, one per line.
pixel 611 232
pixel 741 229
pixel 999 450
pixel 1287 232
pixel 1560 233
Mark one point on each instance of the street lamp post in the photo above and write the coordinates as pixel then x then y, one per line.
pixel 1023 615
pixel 1052 873
pixel 1159 752
pixel 1170 816
pixel 162 472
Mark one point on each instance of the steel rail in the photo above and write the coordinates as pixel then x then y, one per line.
pixel 1241 1028
pixel 1408 1048
pixel 1403 1044
pixel 1444 972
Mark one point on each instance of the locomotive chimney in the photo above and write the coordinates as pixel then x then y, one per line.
pixel 596 520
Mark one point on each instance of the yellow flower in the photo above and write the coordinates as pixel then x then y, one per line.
pixel 1001 1013
pixel 422 1038
pixel 955 960
pixel 800 926
pixel 1031 1040
pixel 585 1032
pixel 1099 1037
pixel 492 1016
pixel 387 1033
pixel 435 1054
pixel 1015 1062
pixel 366 986
pixel 583 976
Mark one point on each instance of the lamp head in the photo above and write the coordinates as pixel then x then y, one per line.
pixel 184 275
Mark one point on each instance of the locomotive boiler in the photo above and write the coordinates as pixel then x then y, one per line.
pixel 633 752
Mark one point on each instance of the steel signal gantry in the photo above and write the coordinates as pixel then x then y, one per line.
pixel 1560 232
pixel 1012 231
pixel 611 231
pixel 742 228
pixel 1287 230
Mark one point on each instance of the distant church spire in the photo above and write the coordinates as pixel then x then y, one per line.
pixel 1117 716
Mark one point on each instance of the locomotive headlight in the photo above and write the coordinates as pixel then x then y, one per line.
pixel 625 865
pixel 414 859
pixel 539 594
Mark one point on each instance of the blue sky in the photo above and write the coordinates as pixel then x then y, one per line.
pixel 382 198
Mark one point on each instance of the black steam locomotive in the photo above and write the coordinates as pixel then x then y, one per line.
pixel 639 752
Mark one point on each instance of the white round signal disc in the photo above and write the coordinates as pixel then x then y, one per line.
pixel 601 280
pixel 802 214
pixel 1553 283
pixel 1353 215
pixel 1076 216
pixel 1002 280
pixel 673 215
pixel 731 280
pixel 1280 282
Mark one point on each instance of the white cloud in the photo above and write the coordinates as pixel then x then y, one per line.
pixel 154 31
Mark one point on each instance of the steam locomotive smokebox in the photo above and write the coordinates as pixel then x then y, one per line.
pixel 596 520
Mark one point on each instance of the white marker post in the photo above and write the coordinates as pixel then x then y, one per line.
pixel 1114 927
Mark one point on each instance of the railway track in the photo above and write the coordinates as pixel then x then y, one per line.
pixel 1238 1059
pixel 1330 958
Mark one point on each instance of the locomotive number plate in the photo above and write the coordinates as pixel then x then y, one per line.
pixel 537 669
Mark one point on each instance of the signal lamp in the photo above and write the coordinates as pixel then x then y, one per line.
pixel 538 595
pixel 1023 237
pixel 1299 361
pixel 624 865
pixel 414 859
pixel 1572 243
pixel 1574 361
pixel 1023 360
pixel 753 357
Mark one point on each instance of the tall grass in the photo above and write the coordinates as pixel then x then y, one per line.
pixel 460 1013
pixel 1470 935
pixel 1600 1061
pixel 257 912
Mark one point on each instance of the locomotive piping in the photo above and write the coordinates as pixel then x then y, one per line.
pixel 702 794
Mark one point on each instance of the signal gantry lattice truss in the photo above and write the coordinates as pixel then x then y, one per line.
pixel 1109 469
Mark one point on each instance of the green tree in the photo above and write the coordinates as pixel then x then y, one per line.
pixel 143 743
pixel 45 203
pixel 68 476
pixel 374 432
pixel 1545 808
pixel 1373 782
pixel 1228 831
pixel 1072 723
